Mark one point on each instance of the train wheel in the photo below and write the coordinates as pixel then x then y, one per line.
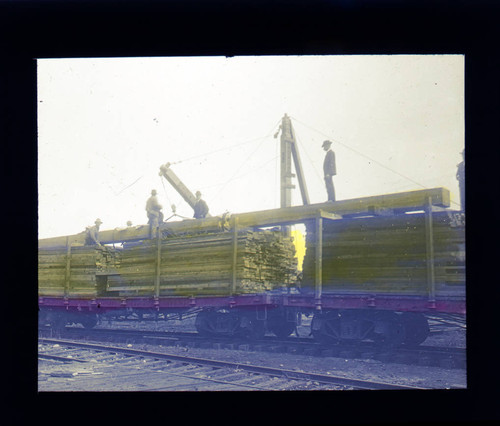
pixel 325 328
pixel 416 328
pixel 282 322
pixel 58 321
pixel 282 329
pixel 217 323
pixel 389 329
pixel 88 320
pixel 255 330
pixel 202 324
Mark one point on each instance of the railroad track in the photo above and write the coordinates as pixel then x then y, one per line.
pixel 118 368
pixel 444 357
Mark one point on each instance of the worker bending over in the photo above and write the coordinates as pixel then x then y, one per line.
pixel 92 237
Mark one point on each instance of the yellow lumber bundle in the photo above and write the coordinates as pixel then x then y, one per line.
pixel 203 264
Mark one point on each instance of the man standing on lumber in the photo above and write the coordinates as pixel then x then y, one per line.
pixel 92 238
pixel 200 208
pixel 329 169
pixel 153 209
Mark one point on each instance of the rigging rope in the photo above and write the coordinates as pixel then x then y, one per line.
pixel 362 155
pixel 240 176
pixel 246 159
pixel 238 169
pixel 217 150
pixel 165 189
pixel 128 186
pixel 226 147
pixel 310 160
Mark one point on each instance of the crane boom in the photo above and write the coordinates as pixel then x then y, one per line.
pixel 183 190
pixel 178 185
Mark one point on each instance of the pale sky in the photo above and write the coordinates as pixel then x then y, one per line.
pixel 106 125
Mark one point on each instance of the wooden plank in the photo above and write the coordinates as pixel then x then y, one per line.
pixel 318 270
pixel 386 253
pixel 260 257
pixel 404 201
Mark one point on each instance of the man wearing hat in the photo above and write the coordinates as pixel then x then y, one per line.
pixel 153 209
pixel 200 208
pixel 329 169
pixel 92 237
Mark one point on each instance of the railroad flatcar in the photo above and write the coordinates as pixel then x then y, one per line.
pixel 373 268
pixel 381 274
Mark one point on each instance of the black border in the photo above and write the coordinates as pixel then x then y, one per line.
pixel 35 29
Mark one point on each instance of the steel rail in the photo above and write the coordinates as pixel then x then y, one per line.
pixel 204 379
pixel 60 358
pixel 178 336
pixel 289 374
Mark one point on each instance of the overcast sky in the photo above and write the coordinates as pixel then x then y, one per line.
pixel 105 126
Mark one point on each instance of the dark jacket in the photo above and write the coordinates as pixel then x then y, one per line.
pixel 329 164
pixel 200 209
pixel 461 172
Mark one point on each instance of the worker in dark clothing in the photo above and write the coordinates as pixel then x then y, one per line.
pixel 92 237
pixel 200 207
pixel 329 170
pixel 461 180
pixel 153 209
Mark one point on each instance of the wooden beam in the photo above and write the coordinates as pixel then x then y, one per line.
pixel 67 272
pixel 235 256
pixel 402 202
pixel 327 215
pixel 318 275
pixel 429 245
pixel 158 263
pixel 286 163
pixel 179 186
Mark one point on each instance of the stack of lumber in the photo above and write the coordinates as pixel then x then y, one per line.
pixel 74 274
pixel 107 259
pixel 203 264
pixel 388 254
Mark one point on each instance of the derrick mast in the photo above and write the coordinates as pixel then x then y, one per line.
pixel 288 150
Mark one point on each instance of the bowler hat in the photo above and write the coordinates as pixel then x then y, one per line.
pixel 326 143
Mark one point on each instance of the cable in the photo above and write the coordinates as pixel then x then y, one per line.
pixel 227 147
pixel 310 159
pixel 361 154
pixel 165 190
pixel 246 159
pixel 133 183
pixel 217 150
pixel 254 170
pixel 240 176
pixel 238 169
